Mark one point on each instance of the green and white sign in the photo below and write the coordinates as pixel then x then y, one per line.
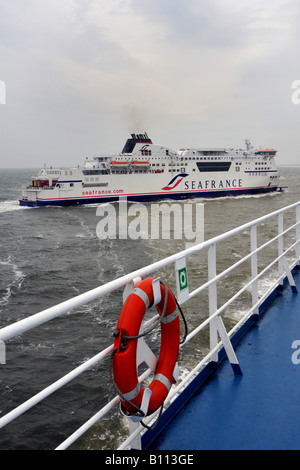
pixel 181 280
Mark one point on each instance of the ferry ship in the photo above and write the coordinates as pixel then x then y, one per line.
pixel 146 171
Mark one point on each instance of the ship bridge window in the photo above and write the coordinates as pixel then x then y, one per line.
pixel 95 172
pixel 213 166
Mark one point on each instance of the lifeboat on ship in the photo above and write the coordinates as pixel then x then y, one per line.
pixel 119 163
pixel 140 163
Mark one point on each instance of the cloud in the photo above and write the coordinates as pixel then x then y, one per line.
pixel 80 74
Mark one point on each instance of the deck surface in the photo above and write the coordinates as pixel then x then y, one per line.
pixel 258 410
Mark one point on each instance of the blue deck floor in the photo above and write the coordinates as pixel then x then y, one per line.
pixel 261 408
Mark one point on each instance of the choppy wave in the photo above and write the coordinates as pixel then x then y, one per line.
pixel 9 206
pixel 11 278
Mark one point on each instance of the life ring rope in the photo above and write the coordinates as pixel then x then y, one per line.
pixel 131 393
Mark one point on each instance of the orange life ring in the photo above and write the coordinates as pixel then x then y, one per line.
pixel 124 359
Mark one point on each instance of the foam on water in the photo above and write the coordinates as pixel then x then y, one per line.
pixel 9 206
pixel 13 279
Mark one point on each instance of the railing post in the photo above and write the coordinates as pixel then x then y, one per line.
pixel 298 235
pixel 136 444
pixel 228 347
pixel 254 270
pixel 280 247
pixel 212 298
pixel 2 352
pixel 216 325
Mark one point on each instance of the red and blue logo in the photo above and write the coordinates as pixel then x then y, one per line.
pixel 143 148
pixel 175 182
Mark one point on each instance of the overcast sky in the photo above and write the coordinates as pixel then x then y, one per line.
pixel 81 75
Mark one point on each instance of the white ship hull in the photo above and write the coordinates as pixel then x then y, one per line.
pixel 158 173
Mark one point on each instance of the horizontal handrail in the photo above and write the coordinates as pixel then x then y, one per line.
pixel 46 315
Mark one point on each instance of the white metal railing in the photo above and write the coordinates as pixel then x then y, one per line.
pixel 214 320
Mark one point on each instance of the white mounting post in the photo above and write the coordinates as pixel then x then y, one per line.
pixel 280 247
pixel 2 353
pixel 212 297
pixel 228 347
pixel 289 275
pixel 216 325
pixel 254 270
pixel 298 234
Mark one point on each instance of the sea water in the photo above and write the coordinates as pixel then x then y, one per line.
pixel 50 254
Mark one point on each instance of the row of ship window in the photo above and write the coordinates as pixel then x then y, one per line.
pixel 259 173
pixel 237 168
